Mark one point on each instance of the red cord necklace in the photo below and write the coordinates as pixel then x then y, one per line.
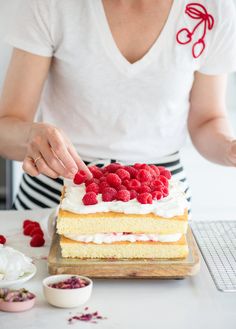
pixel 184 36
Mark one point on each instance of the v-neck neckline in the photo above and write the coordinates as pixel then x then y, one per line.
pixel 112 48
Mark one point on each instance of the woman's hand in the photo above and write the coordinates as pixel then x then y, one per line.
pixel 43 148
pixel 51 153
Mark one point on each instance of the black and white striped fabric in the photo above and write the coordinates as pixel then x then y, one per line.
pixel 44 192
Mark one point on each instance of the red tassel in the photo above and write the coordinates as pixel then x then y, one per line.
pixel 184 36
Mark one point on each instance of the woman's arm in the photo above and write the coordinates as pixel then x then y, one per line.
pixel 22 139
pixel 208 125
pixel 18 104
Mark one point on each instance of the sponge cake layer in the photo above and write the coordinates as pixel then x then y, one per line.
pixel 119 250
pixel 68 222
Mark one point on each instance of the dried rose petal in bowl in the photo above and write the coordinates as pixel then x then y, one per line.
pixel 73 282
pixel 20 295
pixel 16 300
pixel 67 290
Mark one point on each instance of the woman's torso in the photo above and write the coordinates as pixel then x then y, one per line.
pixel 109 107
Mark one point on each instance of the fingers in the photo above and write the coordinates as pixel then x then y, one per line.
pixel 29 167
pixel 60 149
pixel 43 168
pixel 54 154
pixel 53 162
pixel 81 165
pixel 39 167
pixel 68 155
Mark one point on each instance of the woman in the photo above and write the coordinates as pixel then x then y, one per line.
pixel 116 80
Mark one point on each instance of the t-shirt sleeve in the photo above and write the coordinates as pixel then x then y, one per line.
pixel 221 55
pixel 31 28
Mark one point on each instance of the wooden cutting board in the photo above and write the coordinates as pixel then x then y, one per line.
pixel 125 268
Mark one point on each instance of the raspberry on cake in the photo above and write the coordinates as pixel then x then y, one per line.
pixel 134 211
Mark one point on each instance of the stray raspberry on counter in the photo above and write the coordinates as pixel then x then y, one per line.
pixel 33 229
pixel 2 239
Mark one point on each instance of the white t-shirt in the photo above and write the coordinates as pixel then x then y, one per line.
pixel 108 107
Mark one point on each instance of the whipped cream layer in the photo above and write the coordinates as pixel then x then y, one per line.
pixel 172 205
pixel 118 237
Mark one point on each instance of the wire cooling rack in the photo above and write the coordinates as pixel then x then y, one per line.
pixel 217 242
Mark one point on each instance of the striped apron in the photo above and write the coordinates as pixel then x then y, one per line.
pixel 44 192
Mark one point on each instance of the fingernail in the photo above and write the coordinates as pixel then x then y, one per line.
pixel 70 176
pixel 73 171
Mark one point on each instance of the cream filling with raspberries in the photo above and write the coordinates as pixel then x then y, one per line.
pixel 100 238
pixel 172 205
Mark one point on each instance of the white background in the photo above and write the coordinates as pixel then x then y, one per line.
pixel 213 186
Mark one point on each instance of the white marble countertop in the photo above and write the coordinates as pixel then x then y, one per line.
pixel 127 304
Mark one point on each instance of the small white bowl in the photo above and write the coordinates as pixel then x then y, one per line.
pixel 66 298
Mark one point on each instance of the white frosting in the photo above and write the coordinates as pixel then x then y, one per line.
pixel 172 205
pixel 116 237
pixel 13 264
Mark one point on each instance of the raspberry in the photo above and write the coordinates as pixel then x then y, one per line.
pixel 166 173
pixel 164 180
pixel 155 184
pixel 102 179
pixel 161 168
pixel 37 231
pixel 165 192
pixel 134 184
pixel 37 241
pixel 158 188
pixel 80 177
pixel 27 222
pixel 96 172
pixel 2 239
pixel 137 166
pixel 29 228
pixel 155 168
pixel 109 194
pixel 144 175
pixel 123 195
pixel 89 181
pixel 144 188
pixel 133 194
pixel 93 187
pixel 152 172
pixel 105 173
pixel 126 183
pixel 123 174
pixel 144 198
pixel 113 180
pixel 113 167
pixel 121 187
pixel 36 224
pixel 89 199
pixel 156 195
pixel 131 170
pixel 102 186
pixel 145 166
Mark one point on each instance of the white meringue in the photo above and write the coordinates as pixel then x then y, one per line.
pixel 13 263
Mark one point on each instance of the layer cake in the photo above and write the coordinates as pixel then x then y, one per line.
pixel 137 215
